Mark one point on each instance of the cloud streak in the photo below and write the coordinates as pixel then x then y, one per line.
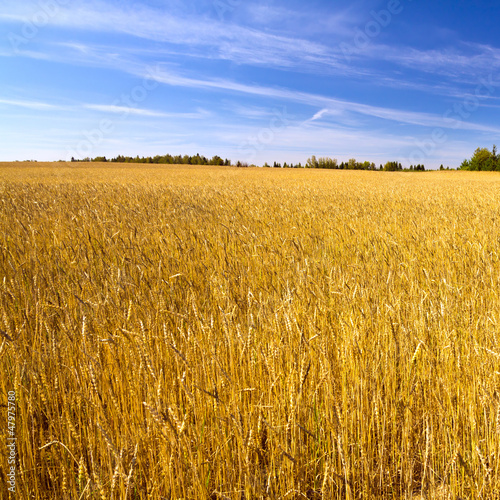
pixel 333 105
pixel 34 105
pixel 206 37
pixel 124 110
pixel 227 41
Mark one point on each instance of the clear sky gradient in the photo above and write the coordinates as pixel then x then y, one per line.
pixel 256 81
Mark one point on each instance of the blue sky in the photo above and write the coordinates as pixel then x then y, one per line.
pixel 256 81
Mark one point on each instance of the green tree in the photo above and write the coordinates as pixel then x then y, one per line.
pixel 217 160
pixel 482 159
pixel 312 162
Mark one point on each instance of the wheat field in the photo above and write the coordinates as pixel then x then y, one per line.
pixel 176 332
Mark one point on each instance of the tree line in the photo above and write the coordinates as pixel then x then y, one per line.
pixel 483 159
pixel 164 160
pixel 353 164
pixel 313 162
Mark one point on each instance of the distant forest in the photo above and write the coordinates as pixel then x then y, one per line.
pixel 352 164
pixel 483 159
pixel 313 162
pixel 165 160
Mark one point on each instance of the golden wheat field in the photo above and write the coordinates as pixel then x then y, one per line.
pixel 221 333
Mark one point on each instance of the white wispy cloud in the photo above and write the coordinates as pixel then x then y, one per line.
pixel 104 108
pixel 191 35
pixel 298 141
pixel 206 37
pixel 38 106
pixel 321 113
pixel 332 104
pixel 464 60
pixel 124 110
pixel 249 112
